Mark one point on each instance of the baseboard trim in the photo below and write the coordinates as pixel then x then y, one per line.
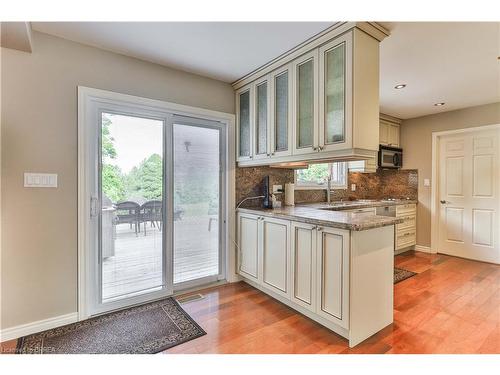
pixel 38 326
pixel 423 249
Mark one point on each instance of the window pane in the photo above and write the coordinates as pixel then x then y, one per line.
pixel 334 94
pixel 316 174
pixel 262 118
pixel 196 202
pixel 245 124
pixel 281 98
pixel 305 104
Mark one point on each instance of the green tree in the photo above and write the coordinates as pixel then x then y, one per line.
pixel 112 182
pixel 108 147
pixel 145 180
pixel 316 173
pixel 112 176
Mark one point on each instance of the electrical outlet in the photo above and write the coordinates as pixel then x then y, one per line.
pixel 353 187
pixel 277 189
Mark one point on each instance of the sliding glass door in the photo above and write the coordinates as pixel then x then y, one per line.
pixel 157 205
pixel 197 201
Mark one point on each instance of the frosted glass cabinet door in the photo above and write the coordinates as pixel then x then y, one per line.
pixel 262 99
pixel 244 118
pixel 334 130
pixel 306 104
pixel 281 131
pixel 334 89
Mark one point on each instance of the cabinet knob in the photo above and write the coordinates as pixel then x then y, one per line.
pixel 320 148
pixel 315 148
pixel 319 229
pixel 272 153
pixel 268 155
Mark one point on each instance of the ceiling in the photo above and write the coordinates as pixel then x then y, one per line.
pixel 451 62
pixel 222 50
pixel 455 63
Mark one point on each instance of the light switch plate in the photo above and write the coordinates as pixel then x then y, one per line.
pixel 40 180
pixel 353 187
pixel 427 182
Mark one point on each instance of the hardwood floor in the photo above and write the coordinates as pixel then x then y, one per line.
pixel 451 306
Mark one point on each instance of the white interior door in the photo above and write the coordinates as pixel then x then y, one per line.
pixel 468 195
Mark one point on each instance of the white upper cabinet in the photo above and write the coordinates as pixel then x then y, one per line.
pixel 389 133
pixel 281 112
pixel 262 130
pixel 305 95
pixel 334 95
pixel 319 104
pixel 244 123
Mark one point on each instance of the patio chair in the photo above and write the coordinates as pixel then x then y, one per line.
pixel 151 211
pixel 128 212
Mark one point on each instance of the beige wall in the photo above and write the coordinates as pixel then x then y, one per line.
pixel 416 140
pixel 39 134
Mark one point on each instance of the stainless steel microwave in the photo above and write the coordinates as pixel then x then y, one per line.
pixel 390 157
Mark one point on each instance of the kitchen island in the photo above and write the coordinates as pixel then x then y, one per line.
pixel 336 267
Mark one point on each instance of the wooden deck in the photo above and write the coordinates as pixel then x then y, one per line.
pixel 136 265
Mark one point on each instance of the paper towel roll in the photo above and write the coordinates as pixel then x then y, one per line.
pixel 290 194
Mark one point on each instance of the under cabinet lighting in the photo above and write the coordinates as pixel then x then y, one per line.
pixel 401 86
pixel 439 104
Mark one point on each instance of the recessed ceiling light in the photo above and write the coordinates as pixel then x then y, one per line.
pixel 439 104
pixel 401 86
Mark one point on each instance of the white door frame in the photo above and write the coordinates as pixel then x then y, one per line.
pixel 436 138
pixel 86 98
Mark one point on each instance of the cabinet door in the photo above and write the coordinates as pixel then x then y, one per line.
pixel 248 243
pixel 275 255
pixel 244 121
pixel 335 81
pixel 384 133
pixel 305 71
pixel 333 275
pixel 303 239
pixel 281 117
pixel 262 118
pixel 394 135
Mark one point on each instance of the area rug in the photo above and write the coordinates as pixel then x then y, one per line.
pixel 145 329
pixel 401 274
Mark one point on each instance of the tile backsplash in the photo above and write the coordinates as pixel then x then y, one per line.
pixel 385 183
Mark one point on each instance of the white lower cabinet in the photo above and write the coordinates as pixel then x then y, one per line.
pixel 248 244
pixel 339 278
pixel 275 237
pixel 333 275
pixel 307 264
pixel 304 265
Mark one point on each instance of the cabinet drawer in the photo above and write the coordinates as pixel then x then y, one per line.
pixel 405 238
pixel 371 210
pixel 406 209
pixel 410 222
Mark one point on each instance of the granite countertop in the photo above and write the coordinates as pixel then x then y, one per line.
pixel 333 215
